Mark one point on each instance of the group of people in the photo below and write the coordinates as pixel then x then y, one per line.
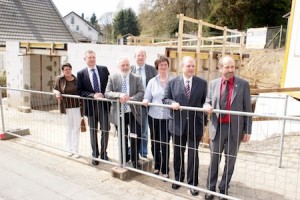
pixel 147 84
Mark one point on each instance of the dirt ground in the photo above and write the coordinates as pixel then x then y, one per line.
pixel 263 69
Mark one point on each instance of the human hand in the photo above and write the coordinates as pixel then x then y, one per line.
pixel 145 102
pixel 98 95
pixel 124 98
pixel 175 106
pixel 208 108
pixel 246 138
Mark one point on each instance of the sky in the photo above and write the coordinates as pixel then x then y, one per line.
pixel 88 7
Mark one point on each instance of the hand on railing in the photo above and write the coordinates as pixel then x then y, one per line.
pixel 207 108
pixel 175 106
pixel 145 102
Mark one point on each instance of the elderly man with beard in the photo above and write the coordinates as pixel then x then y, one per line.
pixel 125 86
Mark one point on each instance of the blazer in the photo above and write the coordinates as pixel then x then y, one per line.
pixel 150 72
pixel 175 92
pixel 114 90
pixel 85 88
pixel 240 101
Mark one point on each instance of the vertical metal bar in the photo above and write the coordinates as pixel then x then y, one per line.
pixel 2 115
pixel 282 131
pixel 280 35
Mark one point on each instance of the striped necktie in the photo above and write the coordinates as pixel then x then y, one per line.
pixel 95 82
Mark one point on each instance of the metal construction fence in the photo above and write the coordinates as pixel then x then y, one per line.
pixel 266 168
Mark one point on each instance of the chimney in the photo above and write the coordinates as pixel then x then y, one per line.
pixel 82 15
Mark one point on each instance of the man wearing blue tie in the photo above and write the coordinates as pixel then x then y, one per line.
pixel 91 83
pixel 126 86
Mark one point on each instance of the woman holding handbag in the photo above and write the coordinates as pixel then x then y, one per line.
pixel 66 84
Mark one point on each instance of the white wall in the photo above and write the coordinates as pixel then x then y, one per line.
pixel 107 55
pixel 83 27
pixel 293 64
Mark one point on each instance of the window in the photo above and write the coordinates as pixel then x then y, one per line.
pixel 77 28
pixel 72 20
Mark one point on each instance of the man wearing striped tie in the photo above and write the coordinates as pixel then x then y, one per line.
pixel 91 83
pixel 126 86
pixel 186 127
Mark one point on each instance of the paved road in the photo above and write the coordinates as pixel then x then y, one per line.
pixel 31 171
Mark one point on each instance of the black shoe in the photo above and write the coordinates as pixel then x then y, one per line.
pixel 105 158
pixel 136 165
pixel 175 186
pixel 209 196
pixel 223 192
pixel 95 162
pixel 194 192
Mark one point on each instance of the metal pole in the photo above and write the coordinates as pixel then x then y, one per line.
pixel 2 115
pixel 282 131
pixel 280 34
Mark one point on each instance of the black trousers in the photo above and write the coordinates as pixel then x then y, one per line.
pixel 160 147
pixel 190 139
pixel 100 115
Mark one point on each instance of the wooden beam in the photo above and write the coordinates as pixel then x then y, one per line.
pixel 257 91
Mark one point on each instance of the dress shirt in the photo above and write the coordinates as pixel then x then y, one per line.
pixel 127 90
pixel 226 118
pixel 154 93
pixel 185 80
pixel 143 74
pixel 91 76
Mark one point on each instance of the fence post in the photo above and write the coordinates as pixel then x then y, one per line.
pixel 119 116
pixel 280 35
pixel 282 131
pixel 2 115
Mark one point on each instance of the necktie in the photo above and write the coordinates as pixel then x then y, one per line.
pixel 224 96
pixel 139 71
pixel 95 82
pixel 187 90
pixel 124 90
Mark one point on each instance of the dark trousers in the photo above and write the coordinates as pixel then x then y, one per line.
pixel 222 142
pixel 100 115
pixel 160 147
pixel 190 139
pixel 134 137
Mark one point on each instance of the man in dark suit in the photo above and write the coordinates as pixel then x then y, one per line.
pixel 91 83
pixel 126 86
pixel 185 126
pixel 226 131
pixel 147 72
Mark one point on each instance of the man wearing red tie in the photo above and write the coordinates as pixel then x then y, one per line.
pixel 226 131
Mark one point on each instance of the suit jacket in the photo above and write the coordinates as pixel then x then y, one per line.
pixel 175 92
pixel 85 88
pixel 150 72
pixel 114 90
pixel 240 101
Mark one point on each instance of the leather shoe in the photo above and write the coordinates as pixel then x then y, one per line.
pixel 223 192
pixel 194 192
pixel 209 196
pixel 136 165
pixel 175 186
pixel 105 158
pixel 95 162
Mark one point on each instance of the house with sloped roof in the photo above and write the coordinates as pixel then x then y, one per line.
pixel 32 20
pixel 34 41
pixel 83 30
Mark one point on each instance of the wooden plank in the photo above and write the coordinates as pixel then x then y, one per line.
pixel 257 91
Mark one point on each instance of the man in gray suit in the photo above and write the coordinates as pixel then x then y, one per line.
pixel 226 131
pixel 186 127
pixel 147 72
pixel 126 86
